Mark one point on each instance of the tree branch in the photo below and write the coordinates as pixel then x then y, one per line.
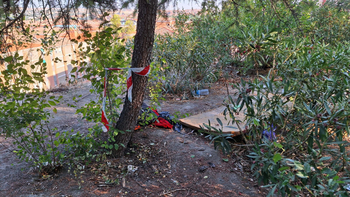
pixel 20 16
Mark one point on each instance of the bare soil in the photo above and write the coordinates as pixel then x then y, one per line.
pixel 164 162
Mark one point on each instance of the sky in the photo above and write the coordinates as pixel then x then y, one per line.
pixel 189 4
pixel 181 4
pixel 185 4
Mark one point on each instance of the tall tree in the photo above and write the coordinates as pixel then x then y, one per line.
pixel 141 57
pixel 69 10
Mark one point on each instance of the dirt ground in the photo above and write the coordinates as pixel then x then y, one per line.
pixel 161 162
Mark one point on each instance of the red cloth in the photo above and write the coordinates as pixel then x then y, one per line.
pixel 161 122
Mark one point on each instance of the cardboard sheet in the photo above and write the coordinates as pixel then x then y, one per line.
pixel 198 120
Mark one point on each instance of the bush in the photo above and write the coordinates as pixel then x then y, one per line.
pixel 192 57
pixel 304 99
pixel 308 105
pixel 23 116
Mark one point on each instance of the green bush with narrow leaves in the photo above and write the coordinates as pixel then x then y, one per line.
pixel 304 98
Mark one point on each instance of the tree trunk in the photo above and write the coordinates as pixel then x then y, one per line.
pixel 141 57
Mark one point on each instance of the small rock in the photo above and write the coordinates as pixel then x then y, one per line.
pixel 202 168
pixel 201 149
pixel 211 164
pixel 175 181
pixel 186 142
pixel 132 168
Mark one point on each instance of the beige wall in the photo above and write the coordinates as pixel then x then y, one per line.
pixel 58 72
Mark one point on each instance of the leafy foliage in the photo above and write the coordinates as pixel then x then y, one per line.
pixel 107 46
pixel 116 53
pixel 25 104
pixel 129 28
pixel 22 103
pixel 188 57
pixel 116 21
pixel 308 105
pixel 305 96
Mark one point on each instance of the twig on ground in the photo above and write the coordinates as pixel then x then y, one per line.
pixel 200 191
pixel 241 132
pixel 161 183
pixel 56 193
pixel 175 190
pixel 188 192
pixel 138 183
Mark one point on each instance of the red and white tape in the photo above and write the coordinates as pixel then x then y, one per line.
pixel 139 71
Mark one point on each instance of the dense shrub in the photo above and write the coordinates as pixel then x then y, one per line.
pixel 304 99
pixel 22 104
pixel 309 108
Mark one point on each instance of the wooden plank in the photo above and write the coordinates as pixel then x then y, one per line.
pixel 198 120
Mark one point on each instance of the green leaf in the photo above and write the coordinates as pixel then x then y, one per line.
pixel 219 121
pixel 116 146
pixel 8 59
pixel 301 175
pixel 298 165
pixel 272 191
pixel 277 157
pixel 52 103
pixel 338 142
pixel 54 110
pixel 283 168
pixel 278 145
pixel 273 41
pixel 325 158
pixel 74 69
pixel 336 178
pixel 225 160
pixel 256 122
pixel 327 108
